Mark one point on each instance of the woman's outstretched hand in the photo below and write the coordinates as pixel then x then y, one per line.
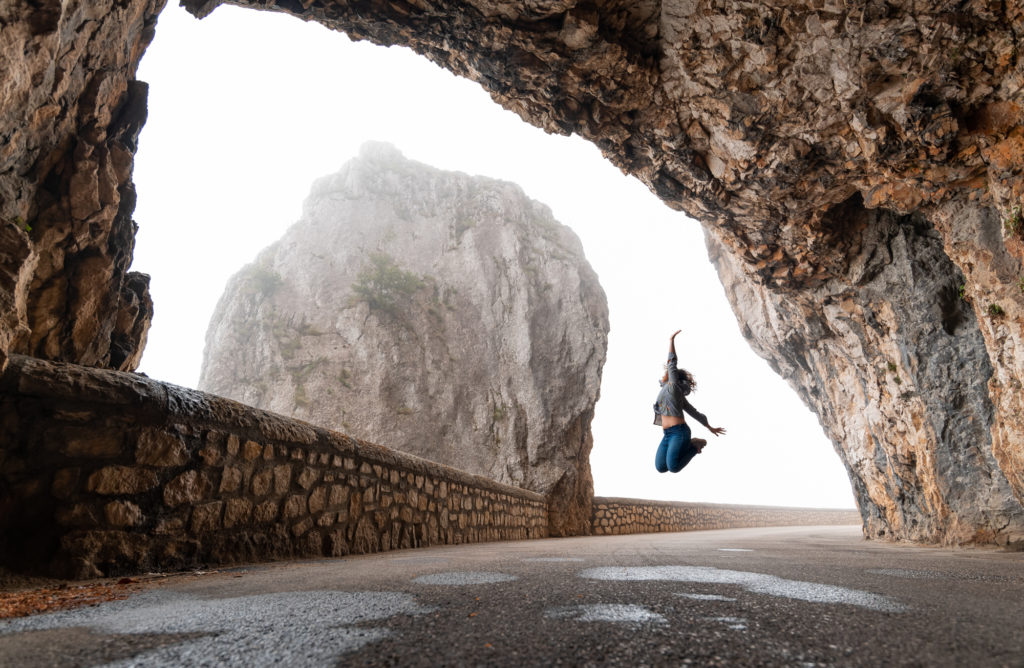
pixel 676 334
pixel 717 431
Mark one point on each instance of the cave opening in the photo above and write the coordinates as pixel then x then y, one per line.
pixel 261 104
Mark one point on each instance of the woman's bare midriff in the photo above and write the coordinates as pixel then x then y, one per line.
pixel 671 421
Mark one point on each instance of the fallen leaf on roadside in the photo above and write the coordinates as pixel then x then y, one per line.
pixel 62 597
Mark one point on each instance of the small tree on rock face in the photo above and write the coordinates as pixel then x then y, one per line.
pixel 265 280
pixel 384 286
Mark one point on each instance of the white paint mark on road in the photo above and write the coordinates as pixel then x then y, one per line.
pixel 755 582
pixel 706 597
pixel 619 613
pixel 734 623
pixel 459 578
pixel 266 630
pixel 552 559
pixel 734 549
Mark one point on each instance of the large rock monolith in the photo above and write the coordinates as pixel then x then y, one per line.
pixel 436 313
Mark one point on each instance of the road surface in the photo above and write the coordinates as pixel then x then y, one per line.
pixel 793 596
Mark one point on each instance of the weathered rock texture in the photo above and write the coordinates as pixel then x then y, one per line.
pixel 813 140
pixel 894 362
pixel 70 113
pixel 436 313
pixel 853 164
pixel 107 473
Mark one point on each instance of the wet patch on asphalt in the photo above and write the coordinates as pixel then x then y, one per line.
pixel 619 613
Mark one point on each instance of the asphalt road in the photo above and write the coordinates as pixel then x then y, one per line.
pixel 799 596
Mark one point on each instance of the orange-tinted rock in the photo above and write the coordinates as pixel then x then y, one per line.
pixel 189 487
pixel 231 480
pixel 206 517
pixel 159 448
pixel 122 514
pixel 236 511
pixel 121 480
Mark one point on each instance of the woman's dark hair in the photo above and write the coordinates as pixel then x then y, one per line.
pixel 686 382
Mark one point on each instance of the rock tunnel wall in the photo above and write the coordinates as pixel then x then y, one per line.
pixel 70 115
pixel 807 138
pixel 892 357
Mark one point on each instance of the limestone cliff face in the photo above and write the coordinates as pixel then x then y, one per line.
pixel 440 314
pixel 893 360
pixel 856 166
pixel 70 113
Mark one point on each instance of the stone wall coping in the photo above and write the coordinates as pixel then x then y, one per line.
pixel 154 402
pixel 622 501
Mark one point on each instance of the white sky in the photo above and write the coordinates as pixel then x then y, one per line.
pixel 247 108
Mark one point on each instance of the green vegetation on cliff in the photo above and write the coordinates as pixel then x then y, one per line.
pixel 386 287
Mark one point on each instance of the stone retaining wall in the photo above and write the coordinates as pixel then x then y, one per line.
pixel 106 473
pixel 613 516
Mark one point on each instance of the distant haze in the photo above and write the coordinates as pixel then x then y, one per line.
pixel 248 108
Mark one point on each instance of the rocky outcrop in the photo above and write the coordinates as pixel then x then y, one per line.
pixel 439 314
pixel 892 358
pixel 853 165
pixel 812 140
pixel 70 113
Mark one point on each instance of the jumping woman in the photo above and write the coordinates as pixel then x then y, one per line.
pixel 677 448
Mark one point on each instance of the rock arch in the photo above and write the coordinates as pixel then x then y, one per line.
pixel 856 167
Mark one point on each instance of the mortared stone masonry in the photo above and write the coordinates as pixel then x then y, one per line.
pixel 107 473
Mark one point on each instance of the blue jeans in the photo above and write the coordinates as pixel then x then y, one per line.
pixel 675 450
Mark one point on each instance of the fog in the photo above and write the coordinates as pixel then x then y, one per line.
pixel 246 109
